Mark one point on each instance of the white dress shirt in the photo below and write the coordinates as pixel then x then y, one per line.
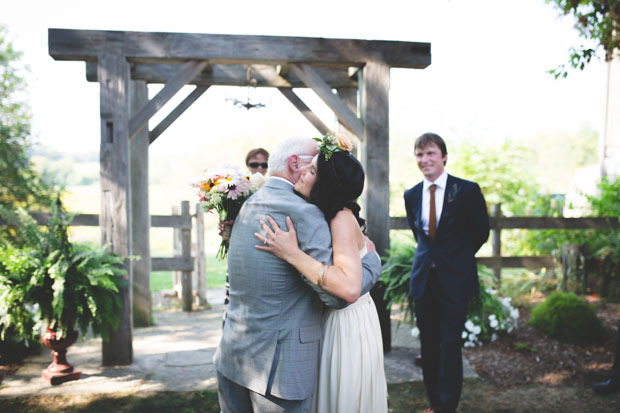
pixel 441 182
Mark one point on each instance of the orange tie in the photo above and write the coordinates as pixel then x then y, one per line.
pixel 432 216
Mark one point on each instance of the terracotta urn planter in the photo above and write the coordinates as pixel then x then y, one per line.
pixel 59 371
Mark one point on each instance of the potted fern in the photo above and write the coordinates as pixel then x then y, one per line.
pixel 69 287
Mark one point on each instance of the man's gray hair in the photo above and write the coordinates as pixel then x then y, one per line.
pixel 295 145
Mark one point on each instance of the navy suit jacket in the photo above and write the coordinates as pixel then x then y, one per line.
pixel 462 229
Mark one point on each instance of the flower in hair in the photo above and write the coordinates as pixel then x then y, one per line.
pixel 331 143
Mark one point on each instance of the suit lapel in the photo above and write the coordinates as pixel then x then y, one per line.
pixel 448 192
pixel 418 211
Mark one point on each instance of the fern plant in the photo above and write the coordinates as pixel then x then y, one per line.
pixel 396 273
pixel 66 286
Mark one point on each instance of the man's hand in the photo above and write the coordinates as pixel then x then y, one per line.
pixel 370 246
pixel 222 224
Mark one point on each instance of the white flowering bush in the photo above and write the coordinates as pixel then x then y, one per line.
pixel 489 316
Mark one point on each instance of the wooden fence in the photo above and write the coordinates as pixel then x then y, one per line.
pixel 499 223
pixel 190 267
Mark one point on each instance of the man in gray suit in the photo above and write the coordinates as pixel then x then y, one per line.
pixel 267 359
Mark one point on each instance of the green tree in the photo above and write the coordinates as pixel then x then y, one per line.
pixel 21 184
pixel 598 22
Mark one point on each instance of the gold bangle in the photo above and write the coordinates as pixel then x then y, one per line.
pixel 322 273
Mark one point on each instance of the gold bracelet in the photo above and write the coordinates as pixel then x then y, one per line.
pixel 322 273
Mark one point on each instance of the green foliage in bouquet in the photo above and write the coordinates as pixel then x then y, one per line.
pixel 63 285
pixel 568 318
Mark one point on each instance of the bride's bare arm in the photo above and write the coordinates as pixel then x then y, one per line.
pixel 344 278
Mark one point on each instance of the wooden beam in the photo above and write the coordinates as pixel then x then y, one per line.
pixel 374 155
pixel 176 112
pixel 518 262
pixel 140 218
pixel 172 264
pixel 555 223
pixel 186 73
pixel 601 223
pixel 115 218
pixel 309 76
pixel 186 252
pixel 92 220
pixel 305 110
pixel 349 97
pixel 232 75
pixel 201 259
pixel 85 45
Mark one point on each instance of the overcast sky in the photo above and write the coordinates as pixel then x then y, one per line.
pixel 487 79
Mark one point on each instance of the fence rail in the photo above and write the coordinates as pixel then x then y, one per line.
pixel 499 223
pixel 184 262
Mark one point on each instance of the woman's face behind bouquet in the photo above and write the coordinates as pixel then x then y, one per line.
pixel 307 179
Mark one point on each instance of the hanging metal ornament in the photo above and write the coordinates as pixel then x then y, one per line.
pixel 251 89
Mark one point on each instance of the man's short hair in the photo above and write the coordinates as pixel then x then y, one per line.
pixel 430 137
pixel 278 161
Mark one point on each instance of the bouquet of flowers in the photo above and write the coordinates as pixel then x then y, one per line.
pixel 225 190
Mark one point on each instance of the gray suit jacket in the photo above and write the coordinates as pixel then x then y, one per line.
pixel 271 338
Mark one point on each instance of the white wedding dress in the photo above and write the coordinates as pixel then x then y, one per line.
pixel 351 374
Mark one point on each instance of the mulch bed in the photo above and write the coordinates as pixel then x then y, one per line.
pixel 526 356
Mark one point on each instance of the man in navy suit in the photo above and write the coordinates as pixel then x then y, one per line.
pixel 449 219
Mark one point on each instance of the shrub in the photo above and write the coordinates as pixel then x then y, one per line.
pixel 396 273
pixel 489 314
pixel 566 317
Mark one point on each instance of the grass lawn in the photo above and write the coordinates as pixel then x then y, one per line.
pixel 478 396
pixel 216 276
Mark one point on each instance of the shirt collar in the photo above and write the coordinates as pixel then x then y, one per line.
pixel 440 181
pixel 282 179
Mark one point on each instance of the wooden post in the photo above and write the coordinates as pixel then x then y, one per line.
pixel 115 217
pixel 374 155
pixel 349 97
pixel 186 253
pixel 496 243
pixel 201 264
pixel 177 276
pixel 573 267
pixel 141 219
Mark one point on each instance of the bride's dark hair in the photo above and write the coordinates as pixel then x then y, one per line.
pixel 340 183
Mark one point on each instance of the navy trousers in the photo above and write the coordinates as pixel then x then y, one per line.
pixel 441 323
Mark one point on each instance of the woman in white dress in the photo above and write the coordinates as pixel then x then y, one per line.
pixel 351 373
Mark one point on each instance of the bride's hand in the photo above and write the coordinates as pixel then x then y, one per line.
pixel 281 243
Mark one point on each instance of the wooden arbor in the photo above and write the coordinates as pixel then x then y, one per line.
pixel 124 62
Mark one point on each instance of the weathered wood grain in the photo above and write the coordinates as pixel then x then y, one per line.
pixel 115 217
pixel 140 219
pixel 232 75
pixel 186 73
pixel 533 262
pixel 600 223
pixel 171 264
pixel 176 112
pixel 186 253
pixel 312 79
pixel 201 263
pixel 374 154
pixel 86 45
